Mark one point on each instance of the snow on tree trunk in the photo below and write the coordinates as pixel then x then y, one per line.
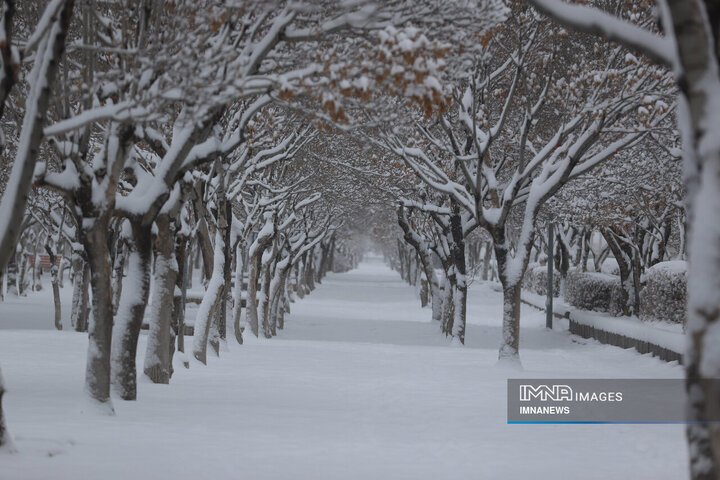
pixel 118 273
pixel 282 299
pixel 446 318
pixel 510 279
pixel 184 271
pixel 237 295
pixel 6 442
pixel 223 224
pixel 623 254
pixel 130 315
pixel 36 269
pixel 277 293
pixel 55 287
pixel 81 311
pixel 203 238
pixel 22 273
pixel 158 355
pixel 97 374
pixel 251 309
pixel 458 259
pixel 210 302
pixel 257 249
pixel 309 272
pixel 264 297
pixel 300 277
pixel 486 260
pixel 700 97
pixel 510 347
pixel 425 257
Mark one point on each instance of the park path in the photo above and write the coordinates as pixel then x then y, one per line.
pixel 359 385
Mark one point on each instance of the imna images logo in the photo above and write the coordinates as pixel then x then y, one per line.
pixel 545 393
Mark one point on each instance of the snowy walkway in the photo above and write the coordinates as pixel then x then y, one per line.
pixel 360 385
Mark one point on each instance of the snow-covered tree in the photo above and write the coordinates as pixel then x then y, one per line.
pixel 539 108
pixel 688 44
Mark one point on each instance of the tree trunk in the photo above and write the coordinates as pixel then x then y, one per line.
pixel 624 256
pixel 203 237
pixel 22 273
pixel 237 301
pixel 696 33
pixel 55 287
pixel 184 272
pixel 251 309
pixel 225 219
pixel 309 271
pixel 97 375
pixel 510 271
pixel 131 313
pixel 256 267
pixel 458 258
pixel 446 318
pixel 5 438
pixel 82 313
pixel 425 258
pixel 264 298
pixel 36 270
pixel 510 348
pixel 118 273
pixel 209 303
pixel 158 355
pixel 487 258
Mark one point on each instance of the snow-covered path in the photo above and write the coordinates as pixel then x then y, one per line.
pixel 360 385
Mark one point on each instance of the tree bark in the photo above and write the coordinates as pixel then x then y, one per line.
pixel 510 348
pixel 458 259
pixel 264 299
pixel 118 272
pixel 251 304
pixel 131 313
pixel 5 438
pixel 696 33
pixel 237 301
pixel 624 256
pixel 55 287
pixel 510 271
pixel 209 303
pixel 158 355
pixel 97 375
pixel 184 272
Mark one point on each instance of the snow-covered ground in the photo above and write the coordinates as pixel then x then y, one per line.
pixel 360 385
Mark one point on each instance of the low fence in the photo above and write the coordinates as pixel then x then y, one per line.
pixel 623 341
pixel 623 332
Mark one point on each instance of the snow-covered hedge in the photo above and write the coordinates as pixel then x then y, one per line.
pixel 535 280
pixel 665 294
pixel 594 291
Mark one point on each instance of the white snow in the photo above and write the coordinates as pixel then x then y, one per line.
pixel 359 385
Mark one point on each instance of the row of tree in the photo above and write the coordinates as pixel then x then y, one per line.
pixel 138 134
pixel 263 137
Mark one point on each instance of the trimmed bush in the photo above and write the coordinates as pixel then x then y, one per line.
pixel 594 291
pixel 665 294
pixel 535 280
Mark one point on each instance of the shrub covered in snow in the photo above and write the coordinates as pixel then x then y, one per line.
pixel 594 291
pixel 665 294
pixel 535 280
